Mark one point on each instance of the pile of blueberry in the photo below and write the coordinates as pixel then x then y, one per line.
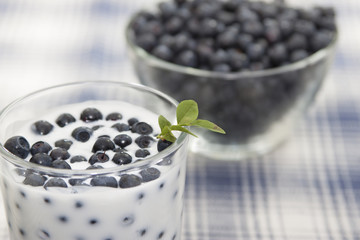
pixel 56 155
pixel 233 35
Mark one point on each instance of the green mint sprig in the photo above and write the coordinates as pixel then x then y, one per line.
pixel 186 115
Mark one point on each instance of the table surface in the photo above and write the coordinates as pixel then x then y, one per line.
pixel 308 188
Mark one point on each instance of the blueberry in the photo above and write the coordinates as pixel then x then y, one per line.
pixel 114 116
pixel 321 39
pixel 174 25
pixel 94 167
pixel 129 180
pixel 255 51
pixel 149 174
pixel 146 41
pixel 121 158
pixel 76 181
pixel 59 153
pixel 104 181
pixel 55 182
pixel 227 39
pixel 121 127
pixel 78 158
pixel 63 143
pixel 162 144
pixel 97 127
pixel 41 159
pixel 90 115
pixel 123 140
pixel 296 41
pixel 187 58
pixel 132 121
pixel 254 28
pixel 34 180
pixel 163 52
pixel 141 153
pixel 98 157
pixel 278 54
pixel 144 141
pixel 82 134
pixel 305 27
pixel 298 55
pixel 237 60
pixel 103 144
pixel 42 127
pixel 244 14
pixel 40 146
pixel 61 164
pixel 222 67
pixel 18 146
pixel 141 128
pixel 220 56
pixel 167 9
pixel 244 41
pixel 64 119
pixel 272 34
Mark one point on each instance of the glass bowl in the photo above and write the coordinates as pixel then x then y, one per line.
pixel 257 109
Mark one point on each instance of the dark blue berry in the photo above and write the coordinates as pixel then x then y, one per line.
pixel 59 153
pixel 64 119
pixel 34 180
pixel 227 39
pixel 244 41
pixel 149 174
pixel 90 115
pixel 162 144
pixel 78 158
pixel 123 140
pixel 98 157
pixel 298 55
pixel 142 153
pixel 18 146
pixel 42 159
pixel 63 143
pixel 97 127
pixel 255 51
pixel 254 28
pixel 76 181
pixel 121 158
pixel 141 128
pixel 104 181
pixel 60 164
pixel 55 182
pixel 163 52
pixel 321 39
pixel 94 167
pixel 187 58
pixel 244 14
pixel 146 41
pixel 174 25
pixel 129 180
pixel 121 127
pixel 82 134
pixel 114 116
pixel 278 54
pixel 103 144
pixel 222 67
pixel 132 121
pixel 297 41
pixel 305 27
pixel 144 141
pixel 42 127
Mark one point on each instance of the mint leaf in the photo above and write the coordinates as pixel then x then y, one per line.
pixel 182 129
pixel 208 125
pixel 163 122
pixel 186 112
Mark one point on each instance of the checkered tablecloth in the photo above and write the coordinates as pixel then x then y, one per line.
pixel 307 189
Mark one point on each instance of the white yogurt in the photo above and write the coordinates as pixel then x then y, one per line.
pixel 152 210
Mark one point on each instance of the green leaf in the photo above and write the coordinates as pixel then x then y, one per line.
pixel 187 112
pixel 163 122
pixel 182 129
pixel 208 125
pixel 166 134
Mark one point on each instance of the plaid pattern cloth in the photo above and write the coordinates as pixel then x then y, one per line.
pixel 307 189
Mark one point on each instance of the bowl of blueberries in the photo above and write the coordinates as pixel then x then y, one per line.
pixel 253 67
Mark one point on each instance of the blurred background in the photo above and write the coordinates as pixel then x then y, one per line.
pixel 308 189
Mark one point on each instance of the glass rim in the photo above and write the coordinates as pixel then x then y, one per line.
pixel 152 160
pixel 157 62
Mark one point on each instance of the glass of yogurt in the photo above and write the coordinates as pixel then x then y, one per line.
pixel 81 161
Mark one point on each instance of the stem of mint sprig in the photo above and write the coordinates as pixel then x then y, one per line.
pixel 187 114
